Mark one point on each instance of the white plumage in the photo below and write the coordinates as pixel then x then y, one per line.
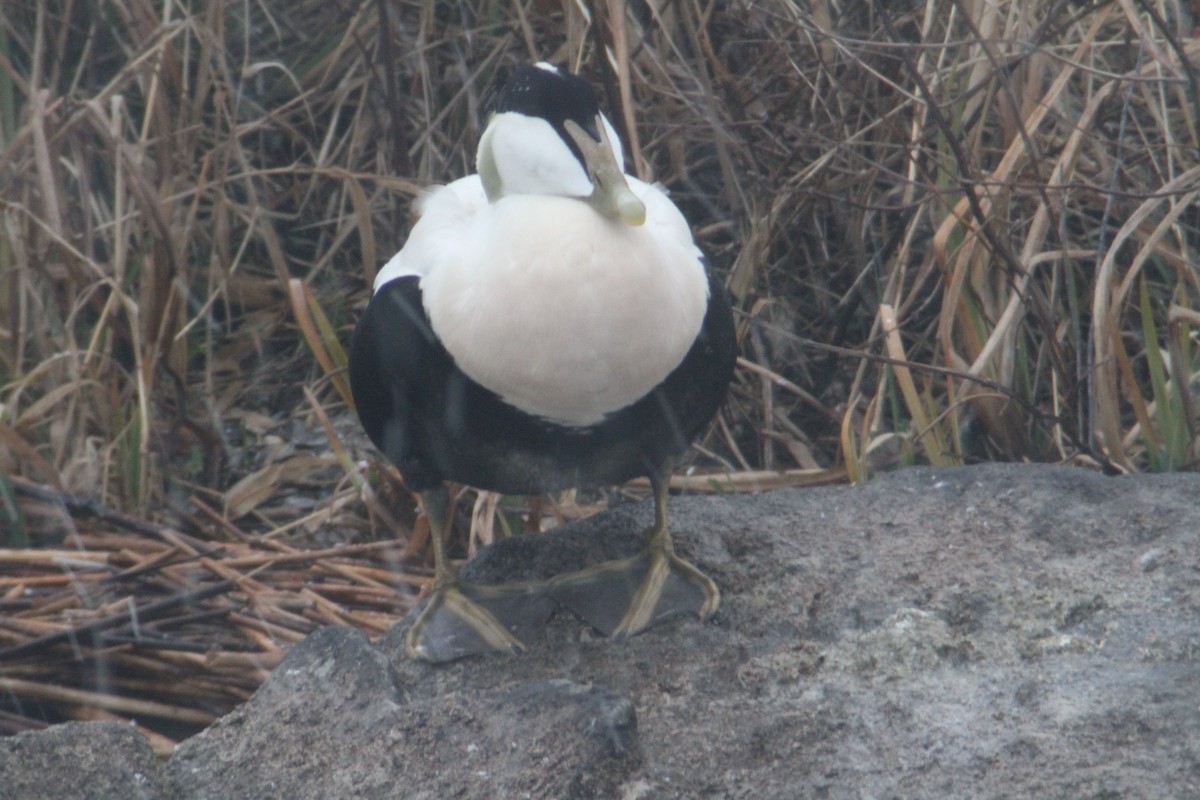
pixel 548 323
pixel 534 286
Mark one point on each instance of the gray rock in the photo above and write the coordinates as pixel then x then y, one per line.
pixel 79 760
pixel 321 726
pixel 333 722
pixel 999 631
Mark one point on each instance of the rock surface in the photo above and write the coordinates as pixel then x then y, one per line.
pixel 998 631
pixel 78 760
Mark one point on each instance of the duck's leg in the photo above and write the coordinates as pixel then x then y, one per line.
pixel 461 619
pixel 624 597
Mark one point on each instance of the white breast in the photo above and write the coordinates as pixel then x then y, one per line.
pixel 445 214
pixel 565 314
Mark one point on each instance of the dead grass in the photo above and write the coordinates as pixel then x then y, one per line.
pixel 956 231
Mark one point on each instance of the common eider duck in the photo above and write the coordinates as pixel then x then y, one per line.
pixel 548 324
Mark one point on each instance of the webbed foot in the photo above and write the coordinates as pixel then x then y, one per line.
pixel 463 619
pixel 622 598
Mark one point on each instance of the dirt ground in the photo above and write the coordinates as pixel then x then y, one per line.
pixel 1000 631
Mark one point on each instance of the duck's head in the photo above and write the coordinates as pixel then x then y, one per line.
pixel 546 136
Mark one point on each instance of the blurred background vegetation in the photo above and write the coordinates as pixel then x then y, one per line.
pixel 956 231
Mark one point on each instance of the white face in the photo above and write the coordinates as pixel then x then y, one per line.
pixel 519 154
pixel 524 155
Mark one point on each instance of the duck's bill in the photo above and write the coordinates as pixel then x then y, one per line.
pixel 611 194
